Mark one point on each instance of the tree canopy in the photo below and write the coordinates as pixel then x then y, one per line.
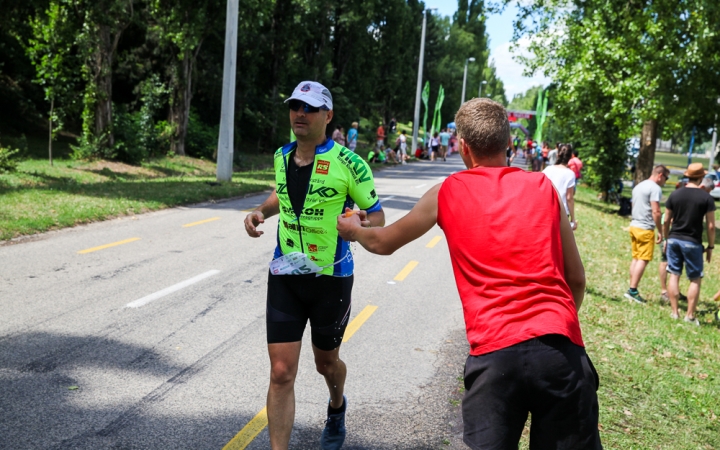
pixel 139 78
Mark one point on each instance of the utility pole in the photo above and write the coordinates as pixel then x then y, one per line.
pixel 416 117
pixel 227 114
pixel 471 59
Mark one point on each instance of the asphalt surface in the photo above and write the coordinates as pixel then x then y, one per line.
pixel 187 367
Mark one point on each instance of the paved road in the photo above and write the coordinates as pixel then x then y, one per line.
pixel 158 342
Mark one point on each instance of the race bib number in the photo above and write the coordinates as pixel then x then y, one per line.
pixel 295 263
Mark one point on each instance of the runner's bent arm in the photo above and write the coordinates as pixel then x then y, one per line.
pixel 384 241
pixel 574 270
pixel 269 208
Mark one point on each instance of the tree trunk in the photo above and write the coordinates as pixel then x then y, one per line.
pixel 180 106
pixel 646 157
pixel 103 83
pixel 50 123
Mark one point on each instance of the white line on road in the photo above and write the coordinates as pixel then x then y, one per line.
pixel 169 290
pixel 388 198
pixel 422 185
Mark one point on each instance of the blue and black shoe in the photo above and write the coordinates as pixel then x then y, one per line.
pixel 333 436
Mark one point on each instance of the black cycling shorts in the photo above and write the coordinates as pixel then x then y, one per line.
pixel 549 377
pixel 293 299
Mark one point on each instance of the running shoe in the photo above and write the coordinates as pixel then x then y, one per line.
pixel 635 297
pixel 674 316
pixel 692 320
pixel 333 435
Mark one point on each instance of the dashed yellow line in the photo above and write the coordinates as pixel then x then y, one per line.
pixel 406 271
pixel 434 242
pixel 213 219
pixel 260 421
pixel 249 432
pixel 358 321
pixel 102 247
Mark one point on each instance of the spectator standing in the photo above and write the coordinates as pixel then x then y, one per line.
pixel 564 181
pixel 537 159
pixel 685 210
pixel 646 198
pixel 576 165
pixel 434 146
pixel 545 152
pixel 338 135
pixel 444 142
pixel 393 125
pixel 380 136
pixel 352 136
pixel 403 146
pixel 553 155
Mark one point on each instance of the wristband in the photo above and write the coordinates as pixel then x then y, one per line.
pixel 709 247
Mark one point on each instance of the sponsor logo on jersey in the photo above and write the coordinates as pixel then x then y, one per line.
pixel 312 248
pixel 373 194
pixel 314 212
pixel 304 229
pixel 323 191
pixel 281 188
pixel 356 165
pixel 322 167
pixel 290 243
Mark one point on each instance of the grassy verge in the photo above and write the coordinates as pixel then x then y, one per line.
pixel 660 378
pixel 38 197
pixel 676 160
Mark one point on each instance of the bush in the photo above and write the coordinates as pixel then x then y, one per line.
pixel 201 139
pixel 8 163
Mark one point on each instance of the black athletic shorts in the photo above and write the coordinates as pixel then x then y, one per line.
pixel 549 377
pixel 293 299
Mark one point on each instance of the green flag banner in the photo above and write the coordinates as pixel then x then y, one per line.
pixel 425 97
pixel 437 116
pixel 541 113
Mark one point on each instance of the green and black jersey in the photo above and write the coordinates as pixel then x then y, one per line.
pixel 339 179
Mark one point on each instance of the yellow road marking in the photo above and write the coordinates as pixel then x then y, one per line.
pixel 260 421
pixel 406 271
pixel 358 321
pixel 213 219
pixel 434 241
pixel 249 432
pixel 101 247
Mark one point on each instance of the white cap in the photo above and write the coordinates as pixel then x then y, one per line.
pixel 312 93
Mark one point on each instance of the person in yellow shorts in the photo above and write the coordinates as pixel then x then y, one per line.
pixel 646 215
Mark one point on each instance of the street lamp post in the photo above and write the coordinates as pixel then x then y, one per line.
pixel 480 88
pixel 470 59
pixel 416 117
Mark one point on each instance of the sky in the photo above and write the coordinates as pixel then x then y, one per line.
pixel 500 29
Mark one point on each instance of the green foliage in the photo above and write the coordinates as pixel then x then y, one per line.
pixel 8 163
pixel 202 139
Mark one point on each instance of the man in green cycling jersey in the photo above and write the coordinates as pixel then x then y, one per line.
pixel 311 274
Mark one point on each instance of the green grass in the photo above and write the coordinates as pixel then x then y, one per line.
pixel 659 378
pixel 38 197
pixel 676 160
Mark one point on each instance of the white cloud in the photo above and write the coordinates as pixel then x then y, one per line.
pixel 511 71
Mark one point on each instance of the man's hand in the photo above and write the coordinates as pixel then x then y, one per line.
pixel 364 222
pixel 252 220
pixel 708 256
pixel 574 225
pixel 348 224
pixel 659 237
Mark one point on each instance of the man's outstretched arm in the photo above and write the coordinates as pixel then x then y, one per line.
pixel 269 208
pixel 384 241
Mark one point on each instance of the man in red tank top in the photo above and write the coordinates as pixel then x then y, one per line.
pixel 526 350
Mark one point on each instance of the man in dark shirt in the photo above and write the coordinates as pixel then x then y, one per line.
pixel 685 209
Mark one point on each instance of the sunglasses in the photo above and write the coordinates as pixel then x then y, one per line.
pixel 295 105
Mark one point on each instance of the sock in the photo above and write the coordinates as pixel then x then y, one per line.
pixel 633 291
pixel 339 410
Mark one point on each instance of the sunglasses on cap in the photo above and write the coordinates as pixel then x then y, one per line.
pixel 295 105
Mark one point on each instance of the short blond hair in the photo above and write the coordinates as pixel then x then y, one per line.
pixel 354 124
pixel 483 124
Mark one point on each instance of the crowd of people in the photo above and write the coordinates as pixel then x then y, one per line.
pixel 688 210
